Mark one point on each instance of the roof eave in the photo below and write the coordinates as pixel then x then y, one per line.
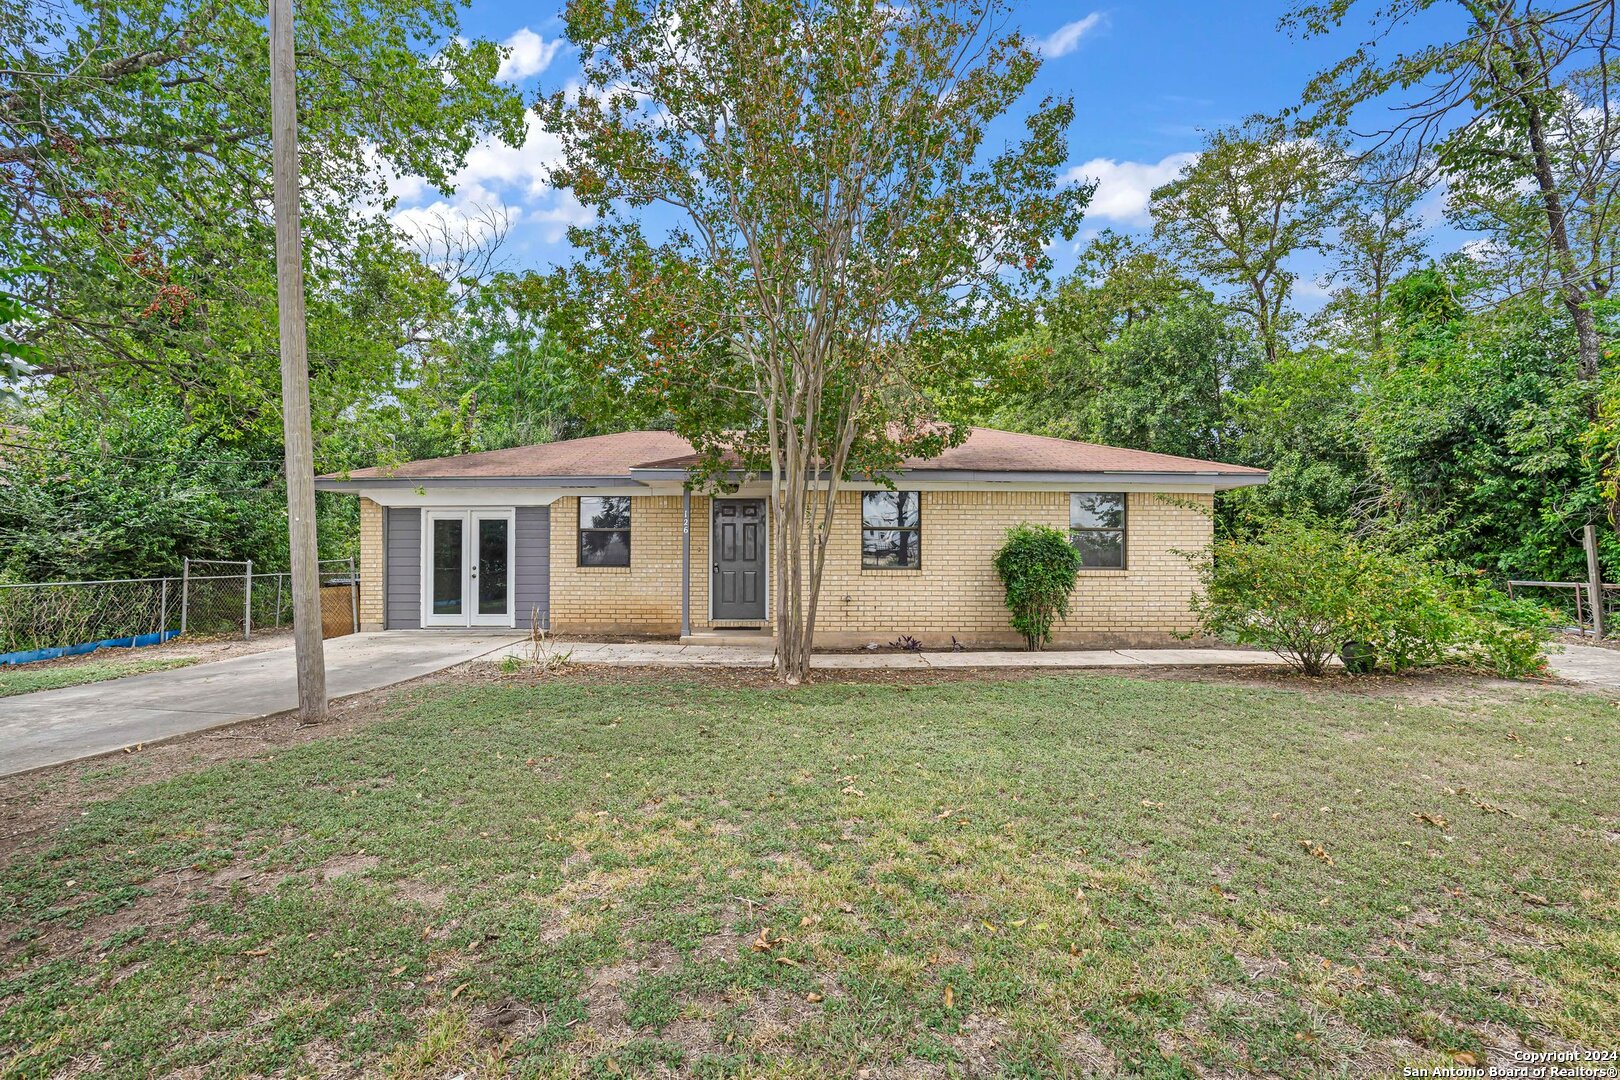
pixel 1220 480
pixel 356 484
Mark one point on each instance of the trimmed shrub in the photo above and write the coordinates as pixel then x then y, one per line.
pixel 1038 566
pixel 1306 593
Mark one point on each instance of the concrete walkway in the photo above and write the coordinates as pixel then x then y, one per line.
pixel 672 655
pixel 53 726
pixel 1588 665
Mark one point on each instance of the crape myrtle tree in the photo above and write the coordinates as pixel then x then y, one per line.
pixel 800 224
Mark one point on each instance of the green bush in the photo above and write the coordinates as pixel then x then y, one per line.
pixel 1038 566
pixel 1306 592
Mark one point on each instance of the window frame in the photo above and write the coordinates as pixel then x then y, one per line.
pixel 580 529
pixel 914 529
pixel 1123 530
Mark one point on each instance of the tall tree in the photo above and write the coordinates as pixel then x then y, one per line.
pixel 134 161
pixel 1379 238
pixel 1255 197
pixel 838 224
pixel 1516 113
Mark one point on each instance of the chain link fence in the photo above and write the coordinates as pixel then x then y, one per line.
pixel 210 599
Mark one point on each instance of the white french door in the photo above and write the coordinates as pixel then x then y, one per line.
pixel 467 574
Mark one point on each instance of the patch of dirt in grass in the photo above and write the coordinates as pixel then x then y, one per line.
pixel 507 1021
pixel 416 891
pixel 980 1042
pixel 341 866
pixel 772 1014
pixel 1088 1053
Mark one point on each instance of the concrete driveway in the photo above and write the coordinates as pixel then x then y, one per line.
pixel 53 726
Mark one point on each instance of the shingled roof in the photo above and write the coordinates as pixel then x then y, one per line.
pixel 597 455
pixel 986 450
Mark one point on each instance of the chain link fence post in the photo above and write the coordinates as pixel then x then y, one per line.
pixel 185 593
pixel 354 599
pixel 247 601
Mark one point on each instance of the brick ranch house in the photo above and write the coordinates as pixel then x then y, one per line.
pixel 600 536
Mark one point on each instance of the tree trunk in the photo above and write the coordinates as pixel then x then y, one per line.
pixel 1574 295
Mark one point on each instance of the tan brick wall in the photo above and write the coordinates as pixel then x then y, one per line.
pixel 957 592
pixel 371 566
pixel 642 598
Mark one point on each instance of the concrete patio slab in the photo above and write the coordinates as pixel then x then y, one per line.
pixel 1589 665
pixel 54 726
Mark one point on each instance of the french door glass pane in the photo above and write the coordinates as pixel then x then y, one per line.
pixel 492 566
pixel 447 567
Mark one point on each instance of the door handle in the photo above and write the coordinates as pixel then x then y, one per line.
pixel 717 568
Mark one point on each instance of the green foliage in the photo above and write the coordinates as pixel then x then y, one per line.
pixel 1037 566
pixel 137 151
pixel 1164 382
pixel 1258 195
pixel 1307 592
pixel 131 490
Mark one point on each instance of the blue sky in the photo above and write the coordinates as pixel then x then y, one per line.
pixel 1146 78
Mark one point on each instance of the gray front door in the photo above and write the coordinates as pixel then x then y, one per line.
pixel 739 559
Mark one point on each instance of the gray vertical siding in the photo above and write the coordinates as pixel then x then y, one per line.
pixel 402 578
pixel 532 550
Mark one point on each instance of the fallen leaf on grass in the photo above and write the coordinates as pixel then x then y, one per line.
pixel 950 996
pixel 457 991
pixel 1467 1058
pixel 1317 850
pixel 853 790
pixel 1436 820
pixel 789 961
pixel 1492 808
pixel 764 943
pixel 257 952
pixel 812 997
pixel 397 972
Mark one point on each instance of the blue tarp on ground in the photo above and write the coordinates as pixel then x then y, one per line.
pixel 88 647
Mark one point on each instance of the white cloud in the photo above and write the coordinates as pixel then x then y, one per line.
pixel 565 211
pixel 528 54
pixel 1066 38
pixel 465 219
pixel 1123 187
pixel 492 162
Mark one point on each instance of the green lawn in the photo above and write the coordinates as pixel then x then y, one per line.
pixel 1030 878
pixel 26 678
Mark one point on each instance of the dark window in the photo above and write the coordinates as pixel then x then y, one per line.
pixel 891 530
pixel 604 530
pixel 1097 529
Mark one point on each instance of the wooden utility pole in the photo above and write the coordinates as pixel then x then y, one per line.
pixel 300 451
